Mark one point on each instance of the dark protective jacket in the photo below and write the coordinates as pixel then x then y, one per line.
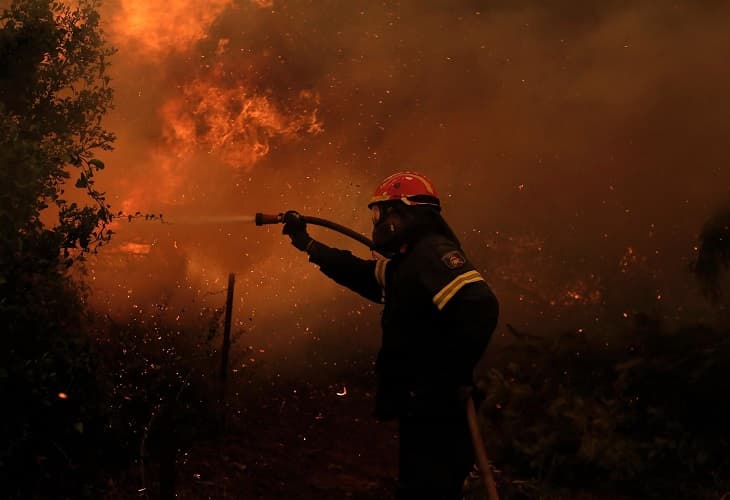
pixel 438 317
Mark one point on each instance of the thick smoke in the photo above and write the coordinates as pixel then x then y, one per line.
pixel 578 149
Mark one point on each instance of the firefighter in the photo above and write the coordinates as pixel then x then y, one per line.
pixel 437 319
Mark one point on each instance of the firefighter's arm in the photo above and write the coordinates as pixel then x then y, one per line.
pixel 365 277
pixel 359 275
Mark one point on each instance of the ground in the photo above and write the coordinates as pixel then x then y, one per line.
pixel 299 441
pixel 286 437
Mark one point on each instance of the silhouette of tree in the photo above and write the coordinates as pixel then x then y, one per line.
pixel 53 94
pixel 714 253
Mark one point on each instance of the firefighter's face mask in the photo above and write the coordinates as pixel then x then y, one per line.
pixel 388 227
pixel 377 213
pixel 380 212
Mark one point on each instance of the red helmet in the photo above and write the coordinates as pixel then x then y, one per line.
pixel 409 187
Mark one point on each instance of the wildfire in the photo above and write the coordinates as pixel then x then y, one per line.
pixel 233 123
pixel 216 113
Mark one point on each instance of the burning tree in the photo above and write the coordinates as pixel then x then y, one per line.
pixel 53 95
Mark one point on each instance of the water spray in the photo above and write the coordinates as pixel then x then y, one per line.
pixel 214 219
pixel 265 219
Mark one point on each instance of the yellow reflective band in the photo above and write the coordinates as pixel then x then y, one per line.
pixel 447 292
pixel 380 271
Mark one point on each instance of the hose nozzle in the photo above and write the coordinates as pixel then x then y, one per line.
pixel 262 219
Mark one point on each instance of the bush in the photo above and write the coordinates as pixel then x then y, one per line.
pixel 642 415
pixel 53 95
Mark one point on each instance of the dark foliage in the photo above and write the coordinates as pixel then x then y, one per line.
pixel 714 253
pixel 161 393
pixel 53 94
pixel 644 415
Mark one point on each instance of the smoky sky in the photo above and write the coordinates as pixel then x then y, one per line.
pixel 578 147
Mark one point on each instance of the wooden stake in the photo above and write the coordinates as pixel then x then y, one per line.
pixel 227 337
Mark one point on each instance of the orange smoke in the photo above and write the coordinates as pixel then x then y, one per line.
pixel 156 27
pixel 211 115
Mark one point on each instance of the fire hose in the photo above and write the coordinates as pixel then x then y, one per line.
pixel 477 439
pixel 262 219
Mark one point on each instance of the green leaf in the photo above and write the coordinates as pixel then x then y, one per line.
pixel 97 163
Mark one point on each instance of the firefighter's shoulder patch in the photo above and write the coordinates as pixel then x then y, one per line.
pixel 453 259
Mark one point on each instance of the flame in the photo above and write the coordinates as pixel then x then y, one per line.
pixel 215 114
pixel 233 123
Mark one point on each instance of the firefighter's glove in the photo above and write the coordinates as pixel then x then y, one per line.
pixel 296 229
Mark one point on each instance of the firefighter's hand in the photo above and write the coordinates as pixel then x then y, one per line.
pixel 296 229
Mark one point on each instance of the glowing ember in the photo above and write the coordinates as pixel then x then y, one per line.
pixel 135 248
pixel 343 392
pixel 628 259
pixel 62 395
pixel 585 292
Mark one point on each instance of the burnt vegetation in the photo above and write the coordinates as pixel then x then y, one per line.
pixel 94 407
